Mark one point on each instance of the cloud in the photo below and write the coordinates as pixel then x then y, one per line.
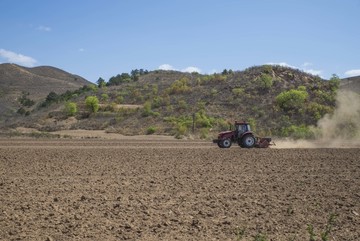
pixel 353 72
pixel 81 50
pixel 43 28
pixel 166 67
pixel 189 69
pixel 283 64
pixel 306 64
pixel 12 57
pixel 313 71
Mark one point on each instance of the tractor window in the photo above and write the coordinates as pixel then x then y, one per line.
pixel 242 128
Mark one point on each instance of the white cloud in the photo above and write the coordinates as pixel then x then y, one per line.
pixel 313 71
pixel 282 64
pixel 12 57
pixel 306 64
pixel 353 72
pixel 191 69
pixel 81 50
pixel 43 28
pixel 166 67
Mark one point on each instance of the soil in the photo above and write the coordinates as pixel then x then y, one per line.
pixel 161 189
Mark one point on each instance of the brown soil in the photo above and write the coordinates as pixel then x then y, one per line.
pixel 174 190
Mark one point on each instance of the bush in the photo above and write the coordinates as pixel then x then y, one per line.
pixel 92 103
pixel 297 132
pixel 70 108
pixel 238 91
pixel 266 81
pixel 151 130
pixel 26 101
pixel 179 86
pixel 291 99
pixel 147 111
pixel 104 97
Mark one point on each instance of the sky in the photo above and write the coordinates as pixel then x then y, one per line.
pixel 103 38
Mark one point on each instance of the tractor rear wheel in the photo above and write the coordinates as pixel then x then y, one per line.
pixel 225 143
pixel 248 141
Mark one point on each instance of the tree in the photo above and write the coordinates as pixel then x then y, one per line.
pixel 70 108
pixel 291 99
pixel 334 82
pixel 92 103
pixel 52 97
pixel 266 81
pixel 101 82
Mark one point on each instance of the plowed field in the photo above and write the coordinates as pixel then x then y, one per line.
pixel 175 190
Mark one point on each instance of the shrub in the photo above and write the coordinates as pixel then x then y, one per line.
pixel 291 99
pixel 25 101
pixel 119 99
pixel 104 97
pixel 204 133
pixel 70 108
pixel 238 91
pixel 202 120
pixel 147 111
pixel 266 81
pixel 151 130
pixel 317 111
pixel 92 103
pixel 182 105
pixel 297 132
pixel 179 86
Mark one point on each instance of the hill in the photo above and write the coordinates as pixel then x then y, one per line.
pixel 276 100
pixel 32 84
pixel 351 83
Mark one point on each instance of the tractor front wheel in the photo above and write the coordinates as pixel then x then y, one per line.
pixel 248 141
pixel 226 143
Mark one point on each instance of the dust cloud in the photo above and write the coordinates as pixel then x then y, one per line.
pixel 340 129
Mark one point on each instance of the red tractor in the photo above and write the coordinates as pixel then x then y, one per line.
pixel 243 136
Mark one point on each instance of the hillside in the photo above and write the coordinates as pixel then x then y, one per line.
pixel 32 84
pixel 351 83
pixel 276 100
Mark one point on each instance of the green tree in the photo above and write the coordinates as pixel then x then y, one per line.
pixel 266 81
pixel 334 82
pixel 92 103
pixel 291 99
pixel 101 83
pixel 104 97
pixel 70 108
pixel 52 97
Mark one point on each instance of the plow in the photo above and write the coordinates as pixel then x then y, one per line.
pixel 243 136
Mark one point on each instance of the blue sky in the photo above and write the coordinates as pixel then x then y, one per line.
pixel 96 38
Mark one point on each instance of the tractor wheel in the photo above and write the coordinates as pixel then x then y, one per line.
pixel 248 141
pixel 219 145
pixel 226 143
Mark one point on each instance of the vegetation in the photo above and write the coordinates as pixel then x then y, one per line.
pixel 92 103
pixel 292 100
pixel 70 108
pixel 150 130
pixel 25 101
pixel 276 100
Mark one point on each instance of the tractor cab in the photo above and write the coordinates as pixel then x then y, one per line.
pixel 242 127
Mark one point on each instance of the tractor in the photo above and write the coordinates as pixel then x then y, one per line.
pixel 243 136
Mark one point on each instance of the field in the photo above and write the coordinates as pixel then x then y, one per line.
pixel 133 189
